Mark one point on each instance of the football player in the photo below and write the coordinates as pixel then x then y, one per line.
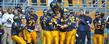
pixel 43 25
pixel 31 29
pixel 57 12
pixel 71 31
pixel 63 26
pixel 99 25
pixel 17 28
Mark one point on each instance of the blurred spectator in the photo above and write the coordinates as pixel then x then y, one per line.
pixel 60 1
pixel 7 19
pixel 103 2
pixel 43 2
pixel 95 3
pixel 34 2
pixel 70 2
pixel 1 2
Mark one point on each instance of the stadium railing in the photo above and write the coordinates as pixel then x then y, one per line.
pixel 75 7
